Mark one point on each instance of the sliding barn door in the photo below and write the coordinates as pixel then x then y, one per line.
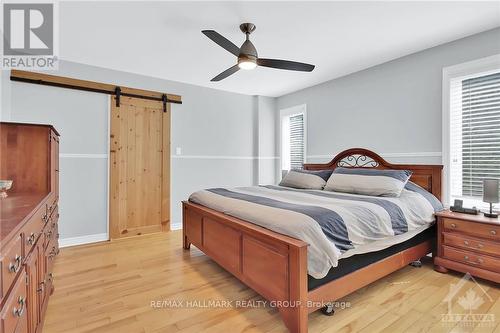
pixel 139 167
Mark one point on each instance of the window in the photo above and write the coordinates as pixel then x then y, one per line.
pixel 293 129
pixel 474 131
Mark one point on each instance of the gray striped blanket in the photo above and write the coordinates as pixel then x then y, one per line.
pixel 330 222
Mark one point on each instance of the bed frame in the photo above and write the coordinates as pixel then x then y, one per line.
pixel 275 265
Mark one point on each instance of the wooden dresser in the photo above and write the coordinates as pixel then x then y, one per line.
pixel 29 155
pixel 468 243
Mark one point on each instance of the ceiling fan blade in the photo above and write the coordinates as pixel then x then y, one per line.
pixel 285 64
pixel 226 73
pixel 222 41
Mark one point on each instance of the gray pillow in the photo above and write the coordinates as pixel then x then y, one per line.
pixel 367 181
pixel 306 179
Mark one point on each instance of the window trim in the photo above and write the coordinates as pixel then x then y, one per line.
pixel 287 112
pixel 470 68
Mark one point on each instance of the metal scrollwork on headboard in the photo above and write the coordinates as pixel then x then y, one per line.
pixel 357 161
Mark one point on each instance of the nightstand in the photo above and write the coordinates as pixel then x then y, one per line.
pixel 468 243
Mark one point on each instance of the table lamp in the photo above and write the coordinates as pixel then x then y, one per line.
pixel 490 195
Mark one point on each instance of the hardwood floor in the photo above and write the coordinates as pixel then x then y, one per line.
pixel 109 287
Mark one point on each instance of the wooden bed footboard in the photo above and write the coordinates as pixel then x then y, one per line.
pixel 273 265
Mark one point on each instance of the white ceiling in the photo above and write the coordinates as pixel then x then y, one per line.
pixel 164 39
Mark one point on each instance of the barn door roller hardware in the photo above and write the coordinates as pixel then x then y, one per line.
pixel 118 92
pixel 103 88
pixel 164 100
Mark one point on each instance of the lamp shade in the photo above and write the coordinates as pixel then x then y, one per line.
pixel 490 190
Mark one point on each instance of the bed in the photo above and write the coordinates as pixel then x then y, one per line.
pixel 276 265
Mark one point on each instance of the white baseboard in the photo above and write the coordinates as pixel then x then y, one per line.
pixel 72 241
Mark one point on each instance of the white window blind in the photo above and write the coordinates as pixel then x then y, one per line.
pixel 296 141
pixel 474 134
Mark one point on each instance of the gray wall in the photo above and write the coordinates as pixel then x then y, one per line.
pixel 219 134
pixel 393 108
pixel 266 125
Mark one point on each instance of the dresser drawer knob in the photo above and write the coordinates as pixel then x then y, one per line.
pixel 478 262
pixel 480 245
pixel 466 243
pixel 453 225
pixel 31 239
pixel 15 266
pixel 18 312
pixel 493 232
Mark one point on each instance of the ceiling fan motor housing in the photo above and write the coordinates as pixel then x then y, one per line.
pixel 247 52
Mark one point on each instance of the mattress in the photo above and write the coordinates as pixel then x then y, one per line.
pixel 331 223
pixel 355 262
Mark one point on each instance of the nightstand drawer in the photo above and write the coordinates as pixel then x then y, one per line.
pixel 472 259
pixel 472 228
pixel 471 243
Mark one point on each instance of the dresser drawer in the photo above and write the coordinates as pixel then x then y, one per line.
pixel 33 229
pixel 471 243
pixel 11 262
pixel 472 228
pixel 472 259
pixel 13 315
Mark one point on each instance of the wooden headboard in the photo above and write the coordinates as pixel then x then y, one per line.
pixel 427 176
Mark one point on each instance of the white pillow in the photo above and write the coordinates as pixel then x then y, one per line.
pixel 367 181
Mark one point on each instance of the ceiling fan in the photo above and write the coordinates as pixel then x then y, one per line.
pixel 247 54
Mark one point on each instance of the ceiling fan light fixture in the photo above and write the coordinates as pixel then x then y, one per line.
pixel 247 64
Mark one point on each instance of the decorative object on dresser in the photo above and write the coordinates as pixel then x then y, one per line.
pixel 490 195
pixel 468 243
pixel 29 155
pixel 5 185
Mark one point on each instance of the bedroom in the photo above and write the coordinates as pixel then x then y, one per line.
pixel 164 201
